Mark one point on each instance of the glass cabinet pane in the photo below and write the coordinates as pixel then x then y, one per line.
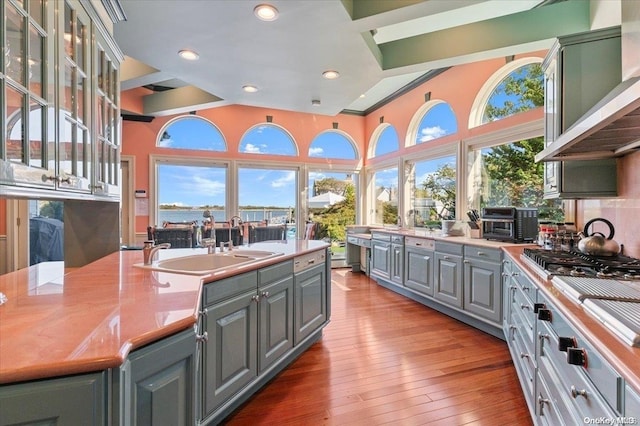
pixel 68 31
pixel 68 89
pixel 80 44
pixel 80 93
pixel 37 120
pixel 14 51
pixel 36 61
pixel 65 147
pixel 99 169
pixel 15 125
pixel 35 11
pixel 100 116
pixel 79 169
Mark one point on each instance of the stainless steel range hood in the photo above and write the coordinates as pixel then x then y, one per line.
pixel 610 129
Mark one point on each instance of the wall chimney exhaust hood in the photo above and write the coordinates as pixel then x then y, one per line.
pixel 610 129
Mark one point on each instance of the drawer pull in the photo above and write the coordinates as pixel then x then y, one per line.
pixel 524 306
pixel 576 393
pixel 565 343
pixel 577 356
pixel 481 253
pixel 541 402
pixel 523 355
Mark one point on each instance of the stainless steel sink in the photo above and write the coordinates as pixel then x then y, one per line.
pixel 204 264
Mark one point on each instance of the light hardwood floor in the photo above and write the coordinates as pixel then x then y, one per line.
pixel 385 359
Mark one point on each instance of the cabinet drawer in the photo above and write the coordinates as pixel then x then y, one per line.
pixel 523 359
pixel 357 241
pixel 397 239
pixel 598 401
pixel 311 259
pixel 223 289
pixel 524 284
pixel 420 242
pixel 380 236
pixel 483 253
pixel 524 318
pixel 631 403
pixel 451 248
pixel 548 403
pixel 273 273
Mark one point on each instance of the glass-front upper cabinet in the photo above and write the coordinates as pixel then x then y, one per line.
pixel 107 107
pixel 27 85
pixel 59 101
pixel 74 146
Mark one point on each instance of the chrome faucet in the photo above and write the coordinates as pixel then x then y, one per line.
pixel 210 244
pixel 149 250
pixel 230 242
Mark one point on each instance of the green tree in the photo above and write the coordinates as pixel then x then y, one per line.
pixel 520 91
pixel 334 219
pixel 322 186
pixel 52 209
pixel 440 186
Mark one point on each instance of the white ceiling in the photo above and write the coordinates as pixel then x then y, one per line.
pixel 378 46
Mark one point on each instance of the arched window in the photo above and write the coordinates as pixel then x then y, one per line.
pixel 191 132
pixel 514 88
pixel 384 140
pixel 433 120
pixel 268 138
pixel 332 144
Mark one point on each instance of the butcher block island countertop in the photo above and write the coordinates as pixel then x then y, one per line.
pixel 89 319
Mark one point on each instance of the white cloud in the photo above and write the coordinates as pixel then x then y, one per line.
pixel 315 152
pixel 285 180
pixel 430 133
pixel 253 149
pixel 207 187
pixel 165 143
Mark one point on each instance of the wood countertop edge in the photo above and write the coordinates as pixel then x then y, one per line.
pixel 621 356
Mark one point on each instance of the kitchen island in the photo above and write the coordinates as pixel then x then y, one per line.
pixel 94 326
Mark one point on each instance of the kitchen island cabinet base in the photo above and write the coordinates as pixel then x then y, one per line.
pixel 265 377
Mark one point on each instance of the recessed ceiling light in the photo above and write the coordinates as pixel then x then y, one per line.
pixel 249 88
pixel 266 12
pixel 189 55
pixel 331 75
pixel 315 102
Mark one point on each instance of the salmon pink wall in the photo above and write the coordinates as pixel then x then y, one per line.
pixel 458 86
pixel 139 139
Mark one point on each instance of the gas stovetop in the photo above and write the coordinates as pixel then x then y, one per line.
pixel 576 264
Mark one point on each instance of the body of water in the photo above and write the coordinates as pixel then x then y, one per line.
pixel 271 216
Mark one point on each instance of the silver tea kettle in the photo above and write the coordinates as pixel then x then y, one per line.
pixel 596 244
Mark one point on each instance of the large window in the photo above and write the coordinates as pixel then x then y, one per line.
pixel 268 139
pixel 267 196
pixel 507 175
pixel 432 190
pixel 384 196
pixel 332 144
pixel 437 120
pixel 186 191
pixel 192 133
pixel 384 141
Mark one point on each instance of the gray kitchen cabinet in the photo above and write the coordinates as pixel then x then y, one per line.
pixel 310 290
pixel 631 403
pixel 358 253
pixel 157 383
pixel 483 282
pixel 418 265
pixel 275 313
pixel 448 285
pixel 579 71
pixel 396 266
pixel 67 401
pixel 229 354
pixel 381 255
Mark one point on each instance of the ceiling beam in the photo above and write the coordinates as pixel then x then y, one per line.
pixel 506 35
pixel 179 100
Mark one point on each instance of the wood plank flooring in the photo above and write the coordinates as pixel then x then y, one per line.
pixel 385 359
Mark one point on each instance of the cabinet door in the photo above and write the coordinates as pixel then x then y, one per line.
pixel 396 270
pixel 310 301
pixel 229 354
pixel 419 270
pixel 276 321
pixel 381 258
pixel 482 289
pixel 71 401
pixel 159 382
pixel 448 279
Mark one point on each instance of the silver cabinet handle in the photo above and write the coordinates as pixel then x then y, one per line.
pixel 541 402
pixel 466 261
pixel 265 294
pixel 202 337
pixel 255 298
pixel 523 306
pixel 576 393
pixel 481 253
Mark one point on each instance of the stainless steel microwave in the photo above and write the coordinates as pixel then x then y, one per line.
pixel 510 224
